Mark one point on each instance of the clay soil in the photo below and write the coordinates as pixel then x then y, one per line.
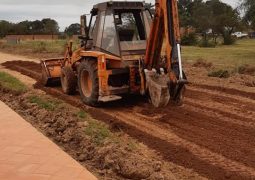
pixel 213 133
pixel 118 157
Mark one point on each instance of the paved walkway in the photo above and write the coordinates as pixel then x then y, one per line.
pixel 26 154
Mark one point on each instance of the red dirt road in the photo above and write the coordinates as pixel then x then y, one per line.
pixel 213 133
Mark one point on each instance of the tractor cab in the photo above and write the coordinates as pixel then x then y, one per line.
pixel 119 28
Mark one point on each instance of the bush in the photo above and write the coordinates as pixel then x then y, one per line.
pixel 189 39
pixel 219 73
pixel 206 43
pixel 228 39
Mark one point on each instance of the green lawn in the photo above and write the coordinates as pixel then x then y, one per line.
pixel 243 52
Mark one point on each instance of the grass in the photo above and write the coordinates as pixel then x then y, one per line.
pixel 97 131
pixel 132 145
pixel 37 46
pixel 81 114
pixel 100 133
pixel 48 104
pixel 11 83
pixel 219 73
pixel 30 47
pixel 233 56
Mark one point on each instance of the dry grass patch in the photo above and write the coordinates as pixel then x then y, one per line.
pixel 10 83
pixel 223 57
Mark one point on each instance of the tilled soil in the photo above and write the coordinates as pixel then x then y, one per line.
pixel 213 133
pixel 114 159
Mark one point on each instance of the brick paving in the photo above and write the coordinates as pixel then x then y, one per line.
pixel 26 154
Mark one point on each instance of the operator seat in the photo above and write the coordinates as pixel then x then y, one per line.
pixel 126 34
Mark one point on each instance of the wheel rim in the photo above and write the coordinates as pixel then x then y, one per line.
pixel 86 83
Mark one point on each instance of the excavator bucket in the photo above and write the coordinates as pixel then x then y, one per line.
pixel 157 84
pixel 162 90
pixel 51 71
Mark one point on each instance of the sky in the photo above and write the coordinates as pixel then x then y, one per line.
pixel 65 12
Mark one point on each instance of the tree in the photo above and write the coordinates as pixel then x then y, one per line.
pixel 50 26
pixel 37 27
pixel 216 16
pixel 23 27
pixel 73 29
pixel 224 20
pixel 202 17
pixel 249 8
pixel 5 28
pixel 184 7
pixel 45 26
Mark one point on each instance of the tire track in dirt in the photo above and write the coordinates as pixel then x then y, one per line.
pixel 194 113
pixel 234 105
pixel 229 91
pixel 193 136
pixel 198 93
pixel 234 110
pixel 170 136
pixel 224 116
pixel 231 109
pixel 214 135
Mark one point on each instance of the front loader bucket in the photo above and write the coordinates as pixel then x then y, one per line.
pixel 51 71
pixel 158 88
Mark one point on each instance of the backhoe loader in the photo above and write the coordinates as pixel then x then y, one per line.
pixel 125 48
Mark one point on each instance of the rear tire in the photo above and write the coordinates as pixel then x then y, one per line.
pixel 88 82
pixel 68 80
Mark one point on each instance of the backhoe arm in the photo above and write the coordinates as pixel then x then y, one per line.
pixel 164 39
pixel 164 32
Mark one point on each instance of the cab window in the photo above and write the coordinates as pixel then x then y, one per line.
pixel 130 26
pixel 109 40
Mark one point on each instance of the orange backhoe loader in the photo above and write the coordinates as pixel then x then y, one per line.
pixel 124 49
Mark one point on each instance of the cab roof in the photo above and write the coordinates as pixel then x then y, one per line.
pixel 119 5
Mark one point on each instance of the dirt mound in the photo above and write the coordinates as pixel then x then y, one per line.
pixel 117 161
pixel 14 64
pixel 27 68
pixel 127 165
pixel 245 80
pixel 203 64
pixel 247 69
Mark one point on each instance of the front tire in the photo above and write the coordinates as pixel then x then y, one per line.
pixel 88 82
pixel 68 81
